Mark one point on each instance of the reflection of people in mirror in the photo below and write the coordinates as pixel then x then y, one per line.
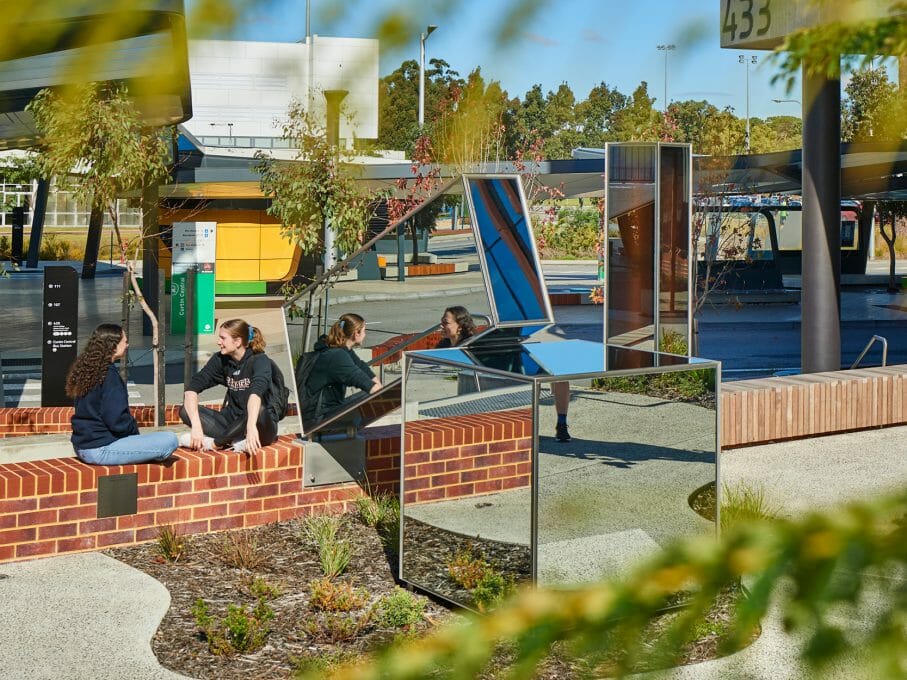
pixel 336 367
pixel 245 422
pixel 103 429
pixel 456 326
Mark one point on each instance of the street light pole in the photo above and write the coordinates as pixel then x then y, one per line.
pixel 422 38
pixel 666 49
pixel 743 60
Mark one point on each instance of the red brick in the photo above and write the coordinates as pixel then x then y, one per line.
pixel 278 502
pixel 17 535
pixel 488 461
pixel 502 471
pixel 258 518
pixel 223 523
pixel 345 492
pixel 263 490
pixel 7 552
pixel 459 464
pixel 245 507
pixel 515 482
pixel 7 521
pixel 290 513
pixel 445 479
pixel 195 527
pixel 291 487
pixel 284 475
pixel 116 538
pixel 159 503
pixel 76 513
pixel 162 517
pixel 147 534
pixel 488 486
pixel 209 511
pixel 317 496
pixel 417 484
pixel 67 545
pixel 515 457
pixel 57 531
pixel 244 479
pixel 386 476
pixel 144 519
pixel 524 468
pixel 474 475
pixel 473 450
pixel 445 454
pixel 225 495
pixel 36 549
pixel 459 490
pixel 209 483
pixel 98 525
pixel 501 447
pixel 429 495
pixel 425 469
pixel 415 457
pixel 60 500
pixel 30 519
pixel 170 488
pixel 88 497
pixel 18 505
pixel 187 499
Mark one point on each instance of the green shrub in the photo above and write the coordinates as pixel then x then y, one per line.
pixel 399 608
pixel 240 549
pixel 260 588
pixel 742 503
pixel 320 665
pixel 467 566
pixel 333 554
pixel 336 627
pixel 573 233
pixel 492 589
pixel 334 557
pixel 239 631
pixel 320 529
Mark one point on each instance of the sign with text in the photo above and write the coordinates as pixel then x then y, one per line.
pixel 59 344
pixel 764 24
pixel 194 244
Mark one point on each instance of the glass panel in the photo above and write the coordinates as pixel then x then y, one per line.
pixel 674 250
pixel 441 270
pixel 508 251
pixel 639 473
pixel 467 501
pixel 630 277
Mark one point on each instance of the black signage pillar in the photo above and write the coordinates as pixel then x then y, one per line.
pixel 93 241
pixel 18 227
pixel 37 223
pixel 59 343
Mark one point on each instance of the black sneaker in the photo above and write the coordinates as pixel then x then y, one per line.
pixel 561 433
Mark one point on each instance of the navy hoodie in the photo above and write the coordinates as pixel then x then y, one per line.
pixel 335 369
pixel 250 375
pixel 102 415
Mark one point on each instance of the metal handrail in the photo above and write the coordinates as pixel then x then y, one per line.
pixel 868 345
pixel 399 348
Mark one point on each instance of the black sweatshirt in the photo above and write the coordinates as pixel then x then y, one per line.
pixel 335 369
pixel 102 415
pixel 250 375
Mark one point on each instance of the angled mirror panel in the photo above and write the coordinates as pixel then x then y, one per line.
pixel 507 249
pixel 440 269
pixel 631 236
pixel 674 269
pixel 466 487
pixel 637 475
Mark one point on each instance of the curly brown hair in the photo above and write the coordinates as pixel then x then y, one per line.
pixel 90 367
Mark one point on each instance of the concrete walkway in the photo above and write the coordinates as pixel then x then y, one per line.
pixel 89 616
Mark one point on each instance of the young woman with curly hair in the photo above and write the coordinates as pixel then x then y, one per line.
pixel 245 422
pixel 103 430
pixel 456 326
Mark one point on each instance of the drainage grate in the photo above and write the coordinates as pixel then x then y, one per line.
pixel 473 406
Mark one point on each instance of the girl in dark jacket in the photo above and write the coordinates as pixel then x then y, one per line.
pixel 336 368
pixel 103 429
pixel 244 422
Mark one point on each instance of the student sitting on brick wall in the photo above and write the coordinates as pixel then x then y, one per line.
pixel 245 423
pixel 103 429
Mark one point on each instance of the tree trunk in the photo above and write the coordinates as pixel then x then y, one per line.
pixel 889 241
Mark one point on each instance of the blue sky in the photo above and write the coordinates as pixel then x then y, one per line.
pixel 582 42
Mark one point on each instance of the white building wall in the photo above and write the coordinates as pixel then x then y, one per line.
pixel 251 85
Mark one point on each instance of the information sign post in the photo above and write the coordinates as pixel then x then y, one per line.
pixel 194 244
pixel 60 336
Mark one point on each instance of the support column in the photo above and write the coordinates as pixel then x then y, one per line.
pixel 37 223
pixel 93 241
pixel 150 232
pixel 820 335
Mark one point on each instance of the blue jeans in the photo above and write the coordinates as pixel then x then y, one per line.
pixel 137 448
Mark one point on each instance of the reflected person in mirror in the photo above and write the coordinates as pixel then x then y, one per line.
pixel 456 326
pixel 337 367
pixel 244 423
pixel 103 429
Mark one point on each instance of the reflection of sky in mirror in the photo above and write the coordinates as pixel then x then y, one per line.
pixel 561 358
pixel 506 241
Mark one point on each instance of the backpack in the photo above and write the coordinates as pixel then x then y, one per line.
pixel 280 394
pixel 304 366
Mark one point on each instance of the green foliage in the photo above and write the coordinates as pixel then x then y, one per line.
pixel 492 589
pixel 240 631
pixel 467 566
pixel 97 129
pixel 320 664
pixel 824 560
pixel 743 503
pixel 336 596
pixel 575 233
pixel 334 554
pixel 317 190
pixel 261 589
pixel 399 608
pixel 170 545
pixel 873 109
pixel 337 627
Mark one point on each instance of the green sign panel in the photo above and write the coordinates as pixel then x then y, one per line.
pixel 193 246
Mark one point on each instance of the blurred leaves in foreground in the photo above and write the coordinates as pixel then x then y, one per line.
pixel 817 571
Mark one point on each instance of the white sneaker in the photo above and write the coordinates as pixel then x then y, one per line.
pixel 185 440
pixel 240 446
